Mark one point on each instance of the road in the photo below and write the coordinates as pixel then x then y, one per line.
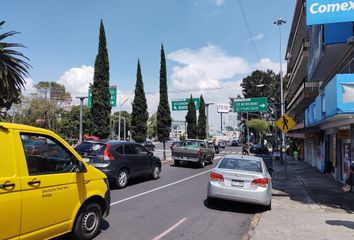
pixel 175 207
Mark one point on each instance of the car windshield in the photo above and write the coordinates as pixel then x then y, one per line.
pixel 193 143
pixel 91 147
pixel 241 164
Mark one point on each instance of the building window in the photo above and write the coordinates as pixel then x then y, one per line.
pixel 348 92
pixel 323 97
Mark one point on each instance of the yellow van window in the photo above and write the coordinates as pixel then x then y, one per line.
pixel 45 155
pixel 7 161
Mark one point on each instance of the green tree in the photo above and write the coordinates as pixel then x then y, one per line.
pixel 202 120
pixel 152 126
pixel 13 71
pixel 57 91
pixel 140 114
pixel 101 99
pixel 39 112
pixel 69 124
pixel 191 119
pixel 163 111
pixel 262 84
pixel 259 127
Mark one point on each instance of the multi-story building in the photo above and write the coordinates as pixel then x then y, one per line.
pixel 299 91
pixel 320 92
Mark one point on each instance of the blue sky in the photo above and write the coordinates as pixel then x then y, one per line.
pixel 206 42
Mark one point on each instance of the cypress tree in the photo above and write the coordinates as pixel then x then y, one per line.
pixel 140 114
pixel 163 110
pixel 191 119
pixel 202 119
pixel 101 99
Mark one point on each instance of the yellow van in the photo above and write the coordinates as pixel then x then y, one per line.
pixel 46 189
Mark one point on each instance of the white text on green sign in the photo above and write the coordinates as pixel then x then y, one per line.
pixel 251 105
pixel 113 93
pixel 182 104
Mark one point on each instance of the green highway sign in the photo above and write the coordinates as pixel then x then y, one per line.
pixel 251 105
pixel 182 104
pixel 112 91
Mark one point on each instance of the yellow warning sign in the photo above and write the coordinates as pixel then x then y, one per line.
pixel 285 123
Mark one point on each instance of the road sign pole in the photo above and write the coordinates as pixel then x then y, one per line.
pixel 221 121
pixel 248 130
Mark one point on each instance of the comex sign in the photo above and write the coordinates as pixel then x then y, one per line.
pixel 329 11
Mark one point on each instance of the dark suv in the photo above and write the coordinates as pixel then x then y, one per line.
pixel 120 160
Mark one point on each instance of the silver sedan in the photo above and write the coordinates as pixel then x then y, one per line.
pixel 241 178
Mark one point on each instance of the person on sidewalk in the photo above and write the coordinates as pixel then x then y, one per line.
pixel 349 182
pixel 245 150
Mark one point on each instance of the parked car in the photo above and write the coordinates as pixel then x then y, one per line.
pixel 242 179
pixel 175 144
pixel 222 144
pixel 44 190
pixel 193 150
pixel 259 149
pixel 149 146
pixel 234 143
pixel 120 160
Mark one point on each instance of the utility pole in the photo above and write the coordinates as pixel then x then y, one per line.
pixel 280 22
pixel 81 107
pixel 119 116
pixel 221 121
pixel 248 130
pixel 207 115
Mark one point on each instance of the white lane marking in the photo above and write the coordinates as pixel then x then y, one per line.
pixel 170 229
pixel 159 188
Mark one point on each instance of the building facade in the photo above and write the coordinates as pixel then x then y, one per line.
pixel 320 92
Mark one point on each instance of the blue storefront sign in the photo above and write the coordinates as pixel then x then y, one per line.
pixel 329 11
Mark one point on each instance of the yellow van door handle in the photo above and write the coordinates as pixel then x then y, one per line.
pixel 34 182
pixel 7 185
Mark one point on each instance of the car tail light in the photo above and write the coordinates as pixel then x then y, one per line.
pixel 107 155
pixel 263 182
pixel 216 177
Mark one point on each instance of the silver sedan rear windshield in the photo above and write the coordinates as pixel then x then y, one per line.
pixel 241 164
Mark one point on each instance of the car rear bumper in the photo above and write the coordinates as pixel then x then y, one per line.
pixel 261 196
pixel 186 159
pixel 110 173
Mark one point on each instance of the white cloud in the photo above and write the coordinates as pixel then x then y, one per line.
pixel 126 98
pixel 267 63
pixel 219 2
pixel 205 67
pixel 29 87
pixel 77 80
pixel 256 38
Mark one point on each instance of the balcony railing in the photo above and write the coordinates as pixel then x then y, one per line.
pixel 306 93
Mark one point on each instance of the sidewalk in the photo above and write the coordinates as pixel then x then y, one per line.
pixel 306 205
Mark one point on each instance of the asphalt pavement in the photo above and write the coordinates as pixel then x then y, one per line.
pixel 175 207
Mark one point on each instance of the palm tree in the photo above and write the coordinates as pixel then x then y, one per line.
pixel 13 70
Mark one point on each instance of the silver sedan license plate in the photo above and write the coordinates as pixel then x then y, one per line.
pixel 237 183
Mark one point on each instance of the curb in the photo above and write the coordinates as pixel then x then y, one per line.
pixel 254 221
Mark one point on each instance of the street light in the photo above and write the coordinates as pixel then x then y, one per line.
pixel 119 116
pixel 207 110
pixel 81 106
pixel 280 22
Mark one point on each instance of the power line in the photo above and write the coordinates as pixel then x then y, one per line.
pixel 248 29
pixel 174 91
